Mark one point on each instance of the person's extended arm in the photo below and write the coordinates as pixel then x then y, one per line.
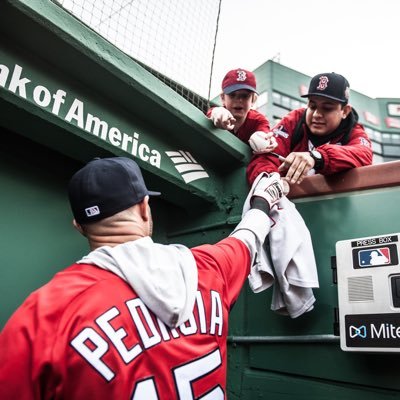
pixel 234 256
pixel 265 192
pixel 333 158
pixel 266 162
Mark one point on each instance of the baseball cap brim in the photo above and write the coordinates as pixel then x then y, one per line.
pixel 324 95
pixel 233 88
pixel 152 193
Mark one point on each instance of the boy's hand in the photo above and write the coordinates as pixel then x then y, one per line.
pixel 222 118
pixel 262 142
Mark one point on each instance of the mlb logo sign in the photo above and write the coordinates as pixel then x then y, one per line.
pixel 374 257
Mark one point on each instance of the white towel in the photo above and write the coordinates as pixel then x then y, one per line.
pixel 291 265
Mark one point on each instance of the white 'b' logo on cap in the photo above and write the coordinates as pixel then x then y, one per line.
pixel 241 75
pixel 323 83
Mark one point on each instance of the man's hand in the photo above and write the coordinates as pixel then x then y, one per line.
pixel 222 118
pixel 269 188
pixel 262 142
pixel 297 166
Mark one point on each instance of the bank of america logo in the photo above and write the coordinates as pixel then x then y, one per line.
pixel 360 331
pixel 187 166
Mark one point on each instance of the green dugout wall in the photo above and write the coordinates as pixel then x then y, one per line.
pixel 67 95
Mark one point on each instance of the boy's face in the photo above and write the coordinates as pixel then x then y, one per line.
pixel 238 102
pixel 323 115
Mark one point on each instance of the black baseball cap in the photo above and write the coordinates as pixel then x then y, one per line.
pixel 331 85
pixel 104 187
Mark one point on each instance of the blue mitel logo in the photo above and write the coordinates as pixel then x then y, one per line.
pixel 361 331
pixel 378 256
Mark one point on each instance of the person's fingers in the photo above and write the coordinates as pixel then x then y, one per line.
pixel 227 121
pixel 287 163
pixel 299 171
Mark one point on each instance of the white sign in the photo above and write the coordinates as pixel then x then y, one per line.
pixel 393 109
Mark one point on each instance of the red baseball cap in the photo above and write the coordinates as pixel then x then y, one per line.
pixel 237 79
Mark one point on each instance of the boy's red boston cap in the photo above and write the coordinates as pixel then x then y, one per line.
pixel 237 79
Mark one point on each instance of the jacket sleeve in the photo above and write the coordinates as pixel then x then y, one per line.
pixel 261 163
pixel 283 132
pixel 356 153
pixel 229 259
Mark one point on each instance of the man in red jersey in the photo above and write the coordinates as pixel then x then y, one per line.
pixel 324 138
pixel 133 319
pixel 239 93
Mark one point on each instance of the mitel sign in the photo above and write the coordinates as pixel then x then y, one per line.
pixel 373 330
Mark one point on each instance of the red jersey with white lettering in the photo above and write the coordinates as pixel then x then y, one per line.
pixel 255 121
pixel 87 335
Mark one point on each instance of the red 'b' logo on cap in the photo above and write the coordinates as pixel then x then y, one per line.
pixel 323 83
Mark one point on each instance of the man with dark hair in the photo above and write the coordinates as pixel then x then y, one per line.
pixel 324 138
pixel 133 319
